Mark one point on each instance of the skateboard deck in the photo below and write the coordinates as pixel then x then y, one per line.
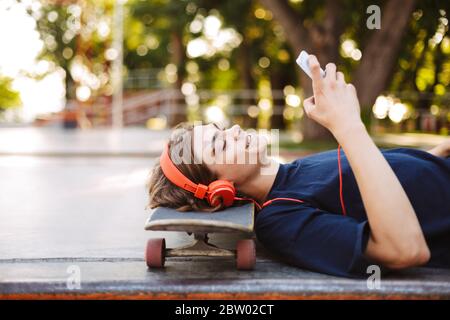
pixel 232 219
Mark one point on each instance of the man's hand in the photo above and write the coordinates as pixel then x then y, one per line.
pixel 335 104
pixel 441 150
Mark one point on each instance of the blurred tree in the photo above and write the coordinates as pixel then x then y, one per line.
pixel 154 34
pixel 8 97
pixel 239 15
pixel 262 53
pixel 59 27
pixel 77 35
pixel 424 60
pixel 402 55
pixel 318 26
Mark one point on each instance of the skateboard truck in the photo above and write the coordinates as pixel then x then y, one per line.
pixel 200 247
pixel 200 224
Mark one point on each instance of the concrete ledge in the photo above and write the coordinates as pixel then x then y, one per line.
pixel 204 278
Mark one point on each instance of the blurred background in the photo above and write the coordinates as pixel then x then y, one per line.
pixel 153 63
pixel 90 89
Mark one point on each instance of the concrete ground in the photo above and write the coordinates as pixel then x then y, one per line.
pixel 72 213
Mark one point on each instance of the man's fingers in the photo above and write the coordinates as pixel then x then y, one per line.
pixel 309 105
pixel 330 72
pixel 351 87
pixel 340 77
pixel 315 72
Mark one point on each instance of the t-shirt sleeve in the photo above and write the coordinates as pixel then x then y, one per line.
pixel 314 239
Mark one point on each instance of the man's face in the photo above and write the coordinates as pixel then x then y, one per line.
pixel 232 154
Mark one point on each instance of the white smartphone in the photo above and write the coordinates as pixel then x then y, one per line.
pixel 302 61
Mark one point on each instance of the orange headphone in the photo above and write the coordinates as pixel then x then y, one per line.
pixel 219 191
pixel 222 191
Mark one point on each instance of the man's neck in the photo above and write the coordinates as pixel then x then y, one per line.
pixel 259 187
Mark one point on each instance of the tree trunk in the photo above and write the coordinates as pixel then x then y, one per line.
pixel 381 51
pixel 178 58
pixel 323 41
pixel 245 70
pixel 277 82
pixel 295 32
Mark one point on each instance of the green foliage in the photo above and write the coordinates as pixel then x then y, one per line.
pixel 157 33
pixel 71 31
pixel 8 97
pixel 152 24
pixel 424 59
pixel 421 74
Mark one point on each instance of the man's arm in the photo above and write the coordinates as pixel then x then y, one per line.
pixel 396 238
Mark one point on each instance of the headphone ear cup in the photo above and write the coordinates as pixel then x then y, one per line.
pixel 221 191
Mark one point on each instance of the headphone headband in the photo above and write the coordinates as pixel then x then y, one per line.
pixel 216 193
pixel 178 178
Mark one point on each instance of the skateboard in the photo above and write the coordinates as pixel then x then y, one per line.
pixel 237 219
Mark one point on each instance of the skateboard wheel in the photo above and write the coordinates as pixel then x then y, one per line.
pixel 155 253
pixel 245 254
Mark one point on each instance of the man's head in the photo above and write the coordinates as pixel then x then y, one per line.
pixel 205 153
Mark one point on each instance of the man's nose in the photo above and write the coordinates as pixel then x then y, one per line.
pixel 235 131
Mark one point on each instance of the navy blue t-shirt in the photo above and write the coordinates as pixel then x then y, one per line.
pixel 315 235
